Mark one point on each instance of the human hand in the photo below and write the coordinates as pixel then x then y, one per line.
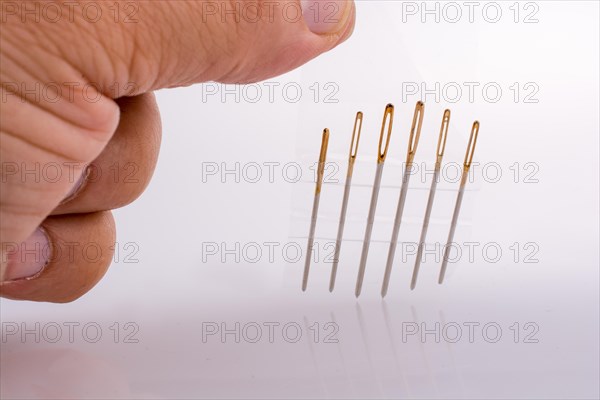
pixel 77 82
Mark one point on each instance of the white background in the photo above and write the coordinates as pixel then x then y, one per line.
pixel 169 288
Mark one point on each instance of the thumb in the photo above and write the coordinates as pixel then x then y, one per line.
pixel 161 44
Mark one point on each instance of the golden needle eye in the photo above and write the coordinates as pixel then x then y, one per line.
pixel 356 135
pixel 443 134
pixel 388 119
pixel 322 156
pixel 415 131
pixel 471 145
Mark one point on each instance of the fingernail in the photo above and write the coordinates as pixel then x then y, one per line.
pixel 77 187
pixel 326 16
pixel 27 259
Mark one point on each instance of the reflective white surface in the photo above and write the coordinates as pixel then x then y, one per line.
pixel 377 354
pixel 174 279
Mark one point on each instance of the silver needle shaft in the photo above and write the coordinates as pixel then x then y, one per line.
pixel 388 118
pixel 413 142
pixel 369 230
pixel 438 163
pixel 413 282
pixel 340 234
pixel 351 160
pixel 315 210
pixel 459 197
pixel 395 231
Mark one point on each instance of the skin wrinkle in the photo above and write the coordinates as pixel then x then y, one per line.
pixel 36 190
pixel 139 59
pixel 38 106
pixel 126 61
pixel 165 39
pixel 21 207
pixel 90 33
pixel 136 58
pixel 88 135
pixel 258 32
pixel 21 211
pixel 238 62
pixel 54 34
pixel 134 64
pixel 218 44
pixel 262 62
pixel 94 37
pixel 17 197
pixel 206 34
pixel 105 59
pixel 87 33
pixel 102 61
pixel 77 91
pixel 7 133
pixel 23 68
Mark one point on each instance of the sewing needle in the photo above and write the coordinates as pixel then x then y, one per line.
pixel 351 160
pixel 388 118
pixel 315 210
pixel 461 190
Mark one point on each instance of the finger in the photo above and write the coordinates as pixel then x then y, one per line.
pixel 124 168
pixel 62 261
pixel 45 138
pixel 146 45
